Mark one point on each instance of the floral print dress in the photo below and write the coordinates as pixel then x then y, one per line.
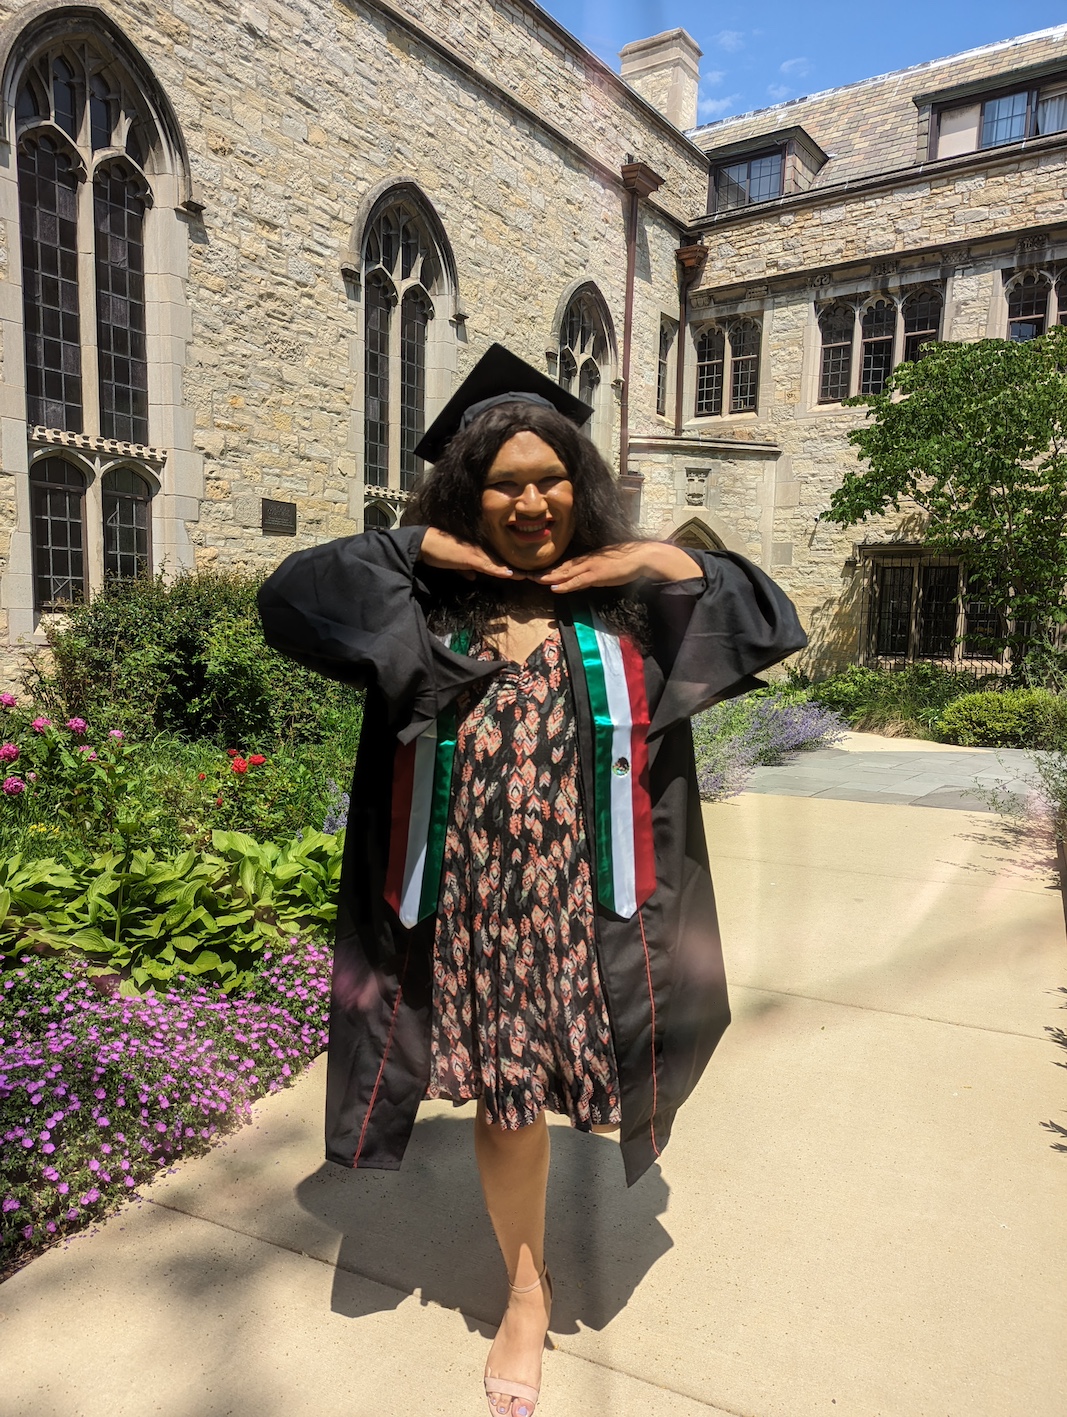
pixel 519 1017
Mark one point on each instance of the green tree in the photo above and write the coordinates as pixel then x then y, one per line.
pixel 974 437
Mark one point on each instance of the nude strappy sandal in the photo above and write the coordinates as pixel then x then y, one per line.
pixel 507 1387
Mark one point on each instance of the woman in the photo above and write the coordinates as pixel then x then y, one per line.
pixel 526 915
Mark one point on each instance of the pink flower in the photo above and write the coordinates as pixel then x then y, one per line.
pixel 77 725
pixel 32 776
pixel 116 733
pixel 40 724
pixel 8 752
pixel 8 701
pixel 13 786
pixel 89 750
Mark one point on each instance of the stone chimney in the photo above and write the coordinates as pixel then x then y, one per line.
pixel 665 70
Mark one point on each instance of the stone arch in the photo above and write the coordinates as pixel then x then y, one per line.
pixel 700 530
pixel 398 190
pixel 37 27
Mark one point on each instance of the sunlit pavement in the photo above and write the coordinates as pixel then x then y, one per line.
pixel 861 1212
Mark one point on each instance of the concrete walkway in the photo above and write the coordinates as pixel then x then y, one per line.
pixel 862 1211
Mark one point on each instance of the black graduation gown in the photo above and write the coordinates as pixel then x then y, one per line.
pixel 355 610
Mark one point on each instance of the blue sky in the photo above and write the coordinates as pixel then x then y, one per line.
pixel 759 55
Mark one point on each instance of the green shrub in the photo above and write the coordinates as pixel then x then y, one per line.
pixel 1012 718
pixel 85 788
pixel 909 700
pixel 154 918
pixel 185 657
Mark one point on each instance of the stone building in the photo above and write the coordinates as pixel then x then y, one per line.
pixel 246 252
pixel 843 231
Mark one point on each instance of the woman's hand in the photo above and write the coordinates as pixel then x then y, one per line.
pixel 618 565
pixel 447 553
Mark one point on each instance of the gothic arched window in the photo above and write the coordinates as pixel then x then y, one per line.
pixel 1028 301
pixel 836 327
pixel 84 138
pixel 586 359
pixel 922 322
pixel 711 361
pixel 402 274
pixel 877 330
pixel 57 510
pixel 127 548
pixel 728 369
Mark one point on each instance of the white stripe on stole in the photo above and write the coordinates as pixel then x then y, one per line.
pixel 419 824
pixel 624 868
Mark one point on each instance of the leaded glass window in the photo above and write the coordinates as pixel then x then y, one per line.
pixel 877 329
pixel 666 342
pixel 57 509
pixel 922 322
pixel 939 598
pixel 403 270
pixel 378 313
pixel 711 359
pixel 1028 308
pixel 744 366
pixel 126 497
pixel 837 325
pixel 415 313
pixel 48 212
pixel 122 352
pixel 583 347
pixel 75 115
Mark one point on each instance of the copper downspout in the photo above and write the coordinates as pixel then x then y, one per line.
pixel 691 260
pixel 640 181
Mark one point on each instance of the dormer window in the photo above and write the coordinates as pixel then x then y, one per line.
pixel 761 169
pixel 742 183
pixel 992 120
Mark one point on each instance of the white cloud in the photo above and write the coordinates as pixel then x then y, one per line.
pixel 799 68
pixel 713 77
pixel 730 40
pixel 778 91
pixel 709 108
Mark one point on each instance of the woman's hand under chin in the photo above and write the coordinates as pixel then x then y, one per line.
pixel 618 565
pixel 447 553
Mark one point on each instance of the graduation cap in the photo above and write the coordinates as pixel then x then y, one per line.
pixel 498 377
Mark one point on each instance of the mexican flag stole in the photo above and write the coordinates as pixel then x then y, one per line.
pixel 621 806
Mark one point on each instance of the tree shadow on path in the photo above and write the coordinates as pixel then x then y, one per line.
pixel 424 1228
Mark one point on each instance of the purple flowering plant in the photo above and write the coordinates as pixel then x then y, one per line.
pixel 99 1090
pixel 735 737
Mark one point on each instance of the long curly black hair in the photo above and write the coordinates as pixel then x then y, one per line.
pixel 449 497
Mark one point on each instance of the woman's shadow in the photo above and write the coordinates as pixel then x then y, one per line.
pixel 424 1228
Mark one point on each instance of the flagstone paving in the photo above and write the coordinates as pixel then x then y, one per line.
pixel 866 768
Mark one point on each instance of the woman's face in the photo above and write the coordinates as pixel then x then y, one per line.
pixel 528 504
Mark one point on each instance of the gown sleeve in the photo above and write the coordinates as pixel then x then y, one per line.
pixel 348 610
pixel 713 635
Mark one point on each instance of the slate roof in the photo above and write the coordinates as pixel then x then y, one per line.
pixel 872 126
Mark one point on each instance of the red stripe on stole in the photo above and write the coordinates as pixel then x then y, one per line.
pixel 403 786
pixel 644 853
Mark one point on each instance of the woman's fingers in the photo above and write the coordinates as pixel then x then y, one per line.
pixel 447 553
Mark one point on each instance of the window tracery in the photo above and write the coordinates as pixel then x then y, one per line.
pixel 403 277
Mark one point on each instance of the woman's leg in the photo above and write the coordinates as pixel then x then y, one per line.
pixel 514 1172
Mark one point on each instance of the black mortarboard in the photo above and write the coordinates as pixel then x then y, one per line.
pixel 498 377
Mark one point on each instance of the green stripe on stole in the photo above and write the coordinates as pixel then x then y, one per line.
pixel 603 736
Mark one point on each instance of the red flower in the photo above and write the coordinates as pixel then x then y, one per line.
pixel 201 776
pixel 257 759
pixel 231 752
pixel 239 765
pixel 218 801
